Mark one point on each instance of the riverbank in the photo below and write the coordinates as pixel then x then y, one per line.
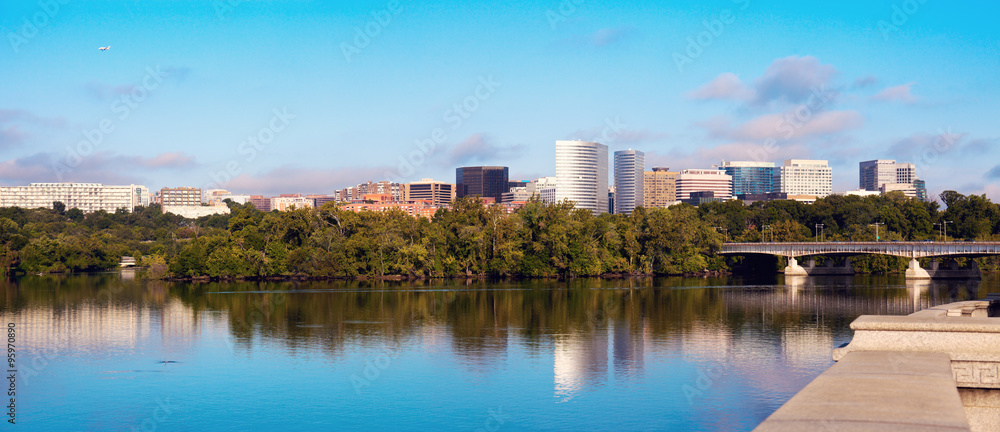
pixel 303 278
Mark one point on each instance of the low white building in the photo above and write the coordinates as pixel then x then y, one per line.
pixel 282 203
pixel 908 189
pixel 861 193
pixel 88 197
pixel 219 196
pixel 195 211
pixel 516 194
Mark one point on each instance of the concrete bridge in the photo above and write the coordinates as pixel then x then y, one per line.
pixel 911 250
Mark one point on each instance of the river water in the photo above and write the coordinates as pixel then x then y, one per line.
pixel 115 352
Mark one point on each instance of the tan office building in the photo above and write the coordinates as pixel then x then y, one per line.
pixel 660 188
pixel 438 193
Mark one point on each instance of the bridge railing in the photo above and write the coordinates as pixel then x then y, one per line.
pixel 904 249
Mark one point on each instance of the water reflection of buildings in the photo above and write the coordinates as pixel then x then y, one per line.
pixel 771 337
pixel 110 326
pixel 582 359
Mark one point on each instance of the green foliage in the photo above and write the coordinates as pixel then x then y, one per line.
pixel 470 239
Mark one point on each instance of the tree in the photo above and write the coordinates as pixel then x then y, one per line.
pixel 74 214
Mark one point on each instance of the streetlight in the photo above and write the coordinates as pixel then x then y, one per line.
pixel 819 229
pixel 938 225
pixel 766 227
pixel 946 229
pixel 876 225
pixel 725 232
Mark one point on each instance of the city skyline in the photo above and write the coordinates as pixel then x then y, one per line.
pixel 690 84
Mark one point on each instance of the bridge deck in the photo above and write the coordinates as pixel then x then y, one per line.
pixel 902 249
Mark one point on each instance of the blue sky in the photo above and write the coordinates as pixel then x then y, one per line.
pixel 286 97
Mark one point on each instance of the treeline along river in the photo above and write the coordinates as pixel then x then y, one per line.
pixel 470 239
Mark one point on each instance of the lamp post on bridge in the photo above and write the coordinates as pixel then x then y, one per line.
pixel 938 225
pixel 946 229
pixel 766 227
pixel 876 225
pixel 819 231
pixel 725 232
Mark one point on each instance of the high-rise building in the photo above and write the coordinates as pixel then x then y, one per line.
pixel 261 202
pixel 611 199
pixel 804 177
pixel 180 196
pixel 750 178
pixel 88 197
pixel 660 188
pixel 874 174
pixel 629 180
pixel 886 175
pixel 544 188
pixel 438 193
pixel 356 193
pixel 921 187
pixel 319 200
pixel 582 174
pixel 704 180
pixel 482 181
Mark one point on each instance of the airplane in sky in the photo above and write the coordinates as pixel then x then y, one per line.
pixel 105 48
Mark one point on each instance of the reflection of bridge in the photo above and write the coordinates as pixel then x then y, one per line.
pixel 911 250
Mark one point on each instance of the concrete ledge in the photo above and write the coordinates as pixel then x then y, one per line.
pixel 877 391
pixel 981 407
pixel 962 330
pixel 925 323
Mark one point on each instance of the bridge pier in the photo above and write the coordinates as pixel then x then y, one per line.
pixel 810 269
pixel 914 271
pixel 794 269
pixel 950 271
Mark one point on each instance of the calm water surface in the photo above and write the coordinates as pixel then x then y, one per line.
pixel 111 352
